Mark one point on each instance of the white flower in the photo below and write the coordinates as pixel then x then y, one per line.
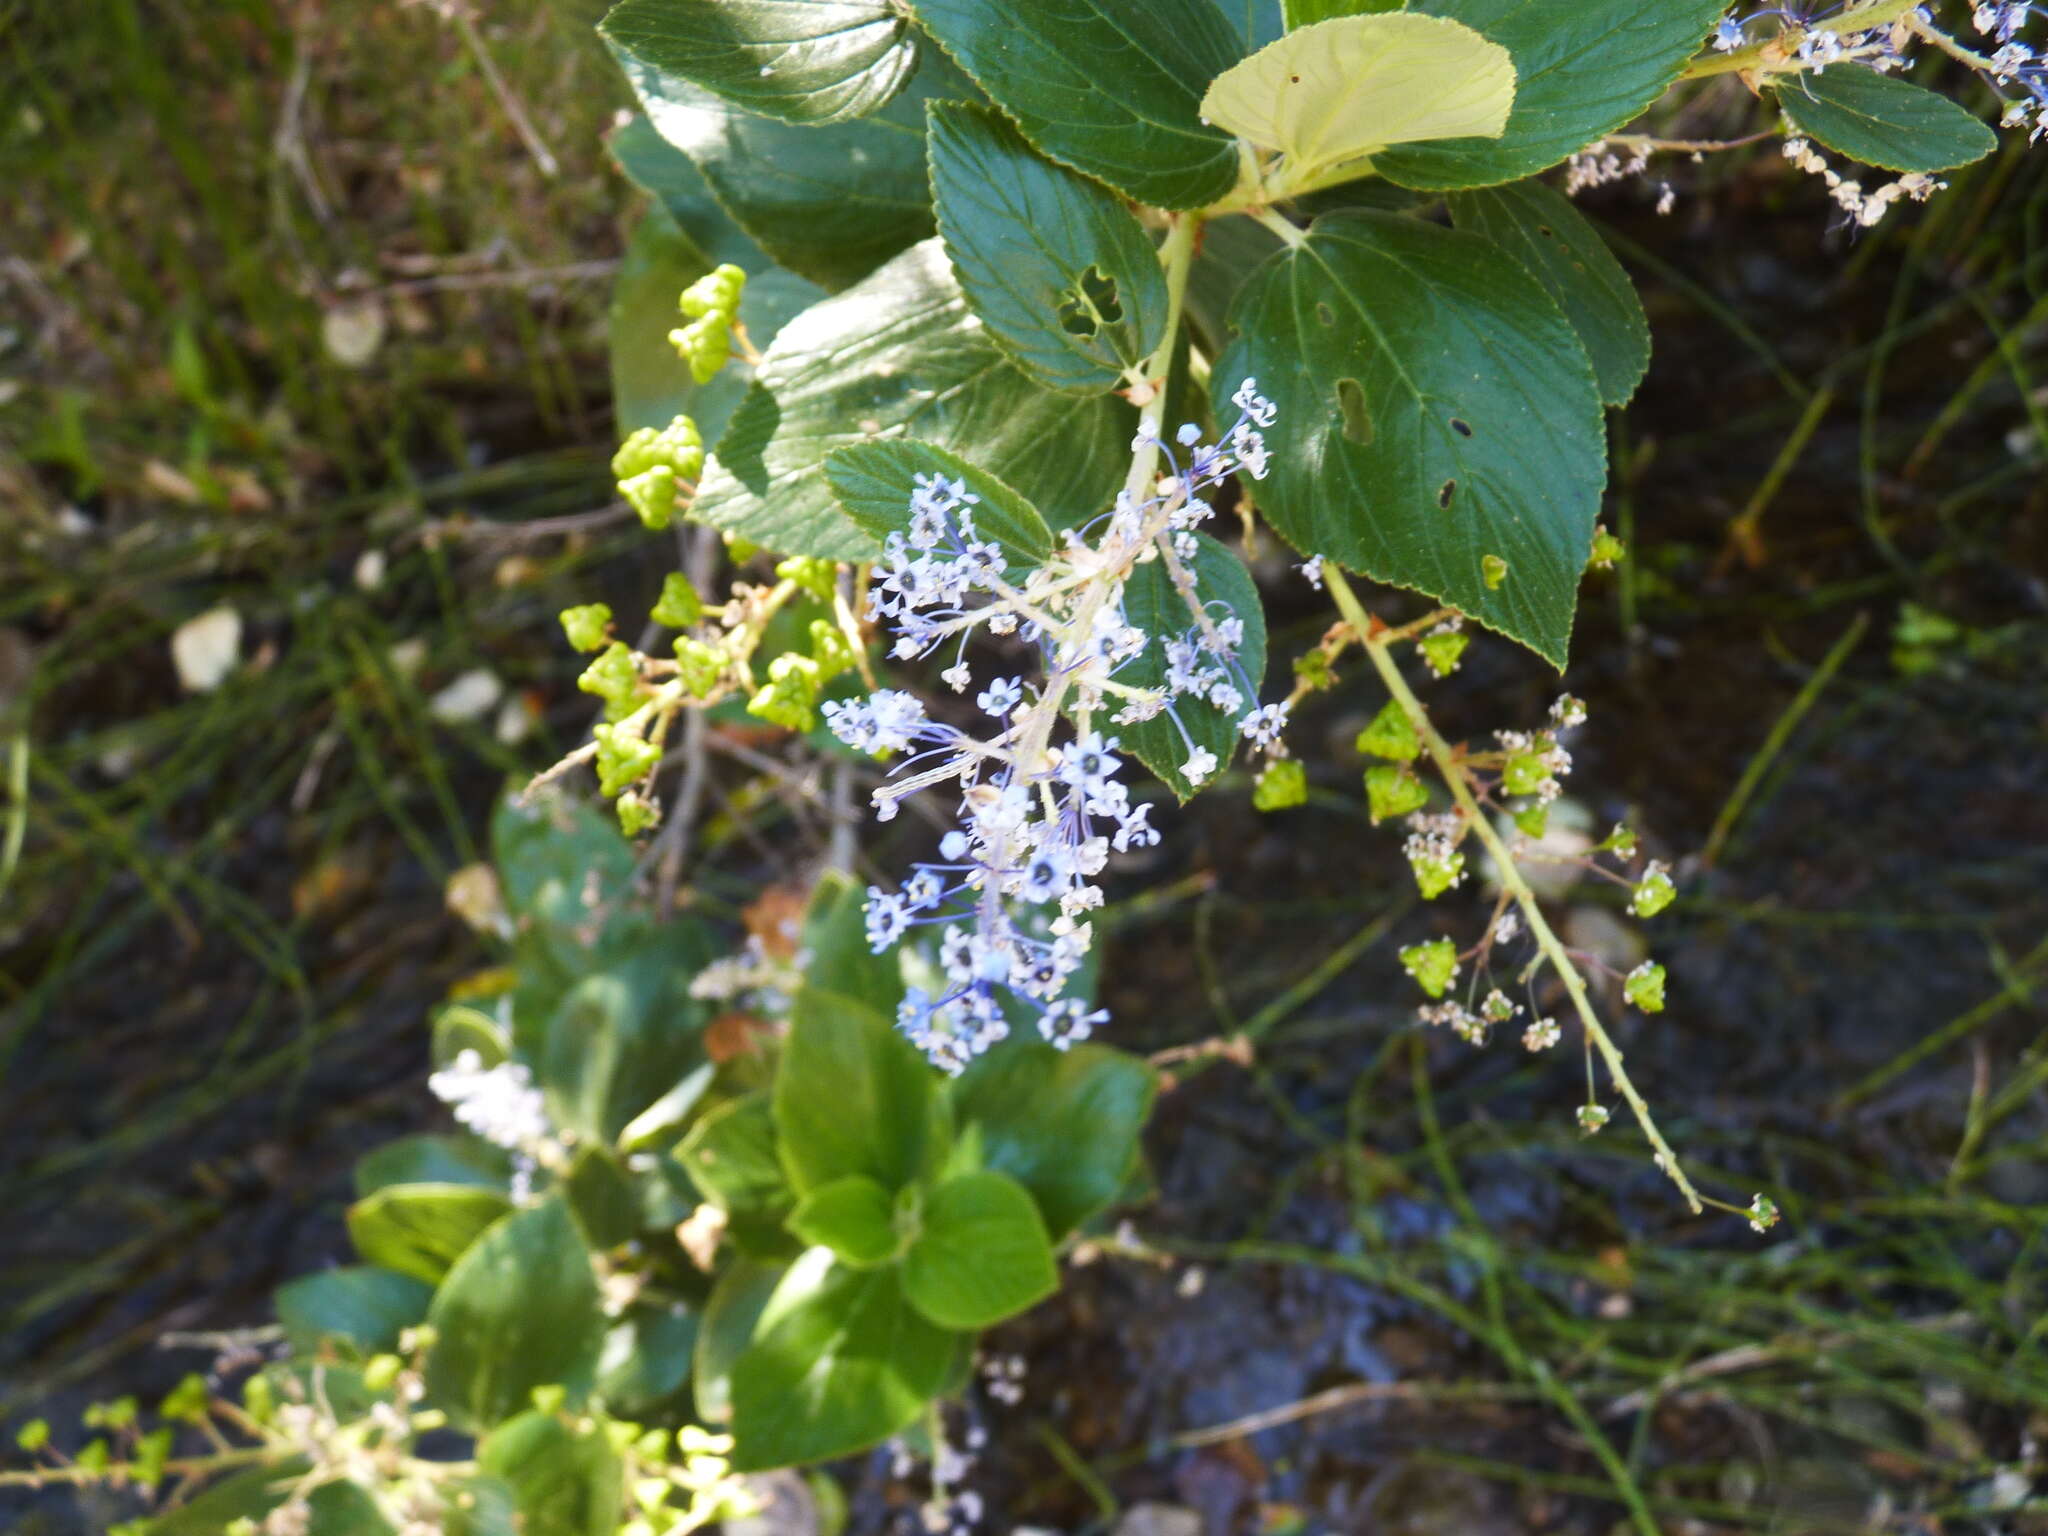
pixel 1200 764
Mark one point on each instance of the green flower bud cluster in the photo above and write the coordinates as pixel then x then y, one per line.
pixel 1283 784
pixel 1443 647
pixel 712 302
pixel 1644 987
pixel 1433 965
pixel 679 606
pixel 586 625
pixel 1654 892
pixel 1592 1118
pixel 1393 790
pixel 817 577
pixel 1607 549
pixel 1391 735
pixel 796 681
pixel 624 757
pixel 1434 876
pixel 651 467
pixel 614 677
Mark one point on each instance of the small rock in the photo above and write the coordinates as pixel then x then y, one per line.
pixel 352 333
pixel 206 649
pixel 468 697
pixel 1159 1520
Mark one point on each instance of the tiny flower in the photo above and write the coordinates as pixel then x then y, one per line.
pixel 1200 764
pixel 1000 697
pixel 1312 570
pixel 1645 987
pixel 1654 892
pixel 1068 1022
pixel 1762 1213
pixel 1541 1035
pixel 1592 1117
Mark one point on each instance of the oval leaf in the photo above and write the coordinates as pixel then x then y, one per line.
pixel 900 354
pixel 1435 409
pixel 1583 68
pixel 982 1254
pixel 874 483
pixel 1060 270
pixel 433 1160
pixel 1153 603
pixel 1342 90
pixel 1110 87
pixel 842 1362
pixel 731 1157
pixel 1551 239
pixel 736 1305
pixel 804 61
pixel 422 1229
pixel 1064 1124
pixel 1881 120
pixel 519 1310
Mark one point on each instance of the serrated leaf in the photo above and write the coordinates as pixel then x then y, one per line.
pixel 1884 121
pixel 1154 604
pixel 1110 87
pixel 1583 68
pixel 874 482
pixel 804 61
pixel 982 1254
pixel 1058 268
pixel 840 1362
pixel 1064 1124
pixel 519 1310
pixel 422 1229
pixel 853 1216
pixel 1552 240
pixel 1339 91
pixel 852 1096
pixel 900 354
pixel 1435 409
pixel 831 204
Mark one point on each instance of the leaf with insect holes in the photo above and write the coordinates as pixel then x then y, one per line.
pixel 1439 427
pixel 1060 270
pixel 1340 91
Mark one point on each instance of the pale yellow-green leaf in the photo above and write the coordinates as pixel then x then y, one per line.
pixel 1340 90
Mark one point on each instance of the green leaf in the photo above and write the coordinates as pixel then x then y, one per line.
pixel 1257 22
pixel 566 1483
pixel 1306 13
pixel 1337 92
pixel 736 1305
pixel 1064 1124
pixel 357 1305
pixel 853 1216
pixel 1110 87
pixel 830 204
pixel 982 1254
pixel 874 481
pixel 731 1156
pixel 422 1229
pixel 900 354
pixel 1435 409
pixel 433 1160
pixel 841 1363
pixel 519 1310
pixel 1231 250
pixel 645 1362
pixel 672 179
pixel 621 1039
pixel 836 939
pixel 1551 239
pixel 1060 270
pixel 1152 603
pixel 804 61
pixel 603 1197
pixel 1583 68
pixel 1881 120
pixel 459 1028
pixel 852 1096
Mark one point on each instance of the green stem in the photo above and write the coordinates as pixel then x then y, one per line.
pixel 1769 55
pixel 1511 878
pixel 1177 255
